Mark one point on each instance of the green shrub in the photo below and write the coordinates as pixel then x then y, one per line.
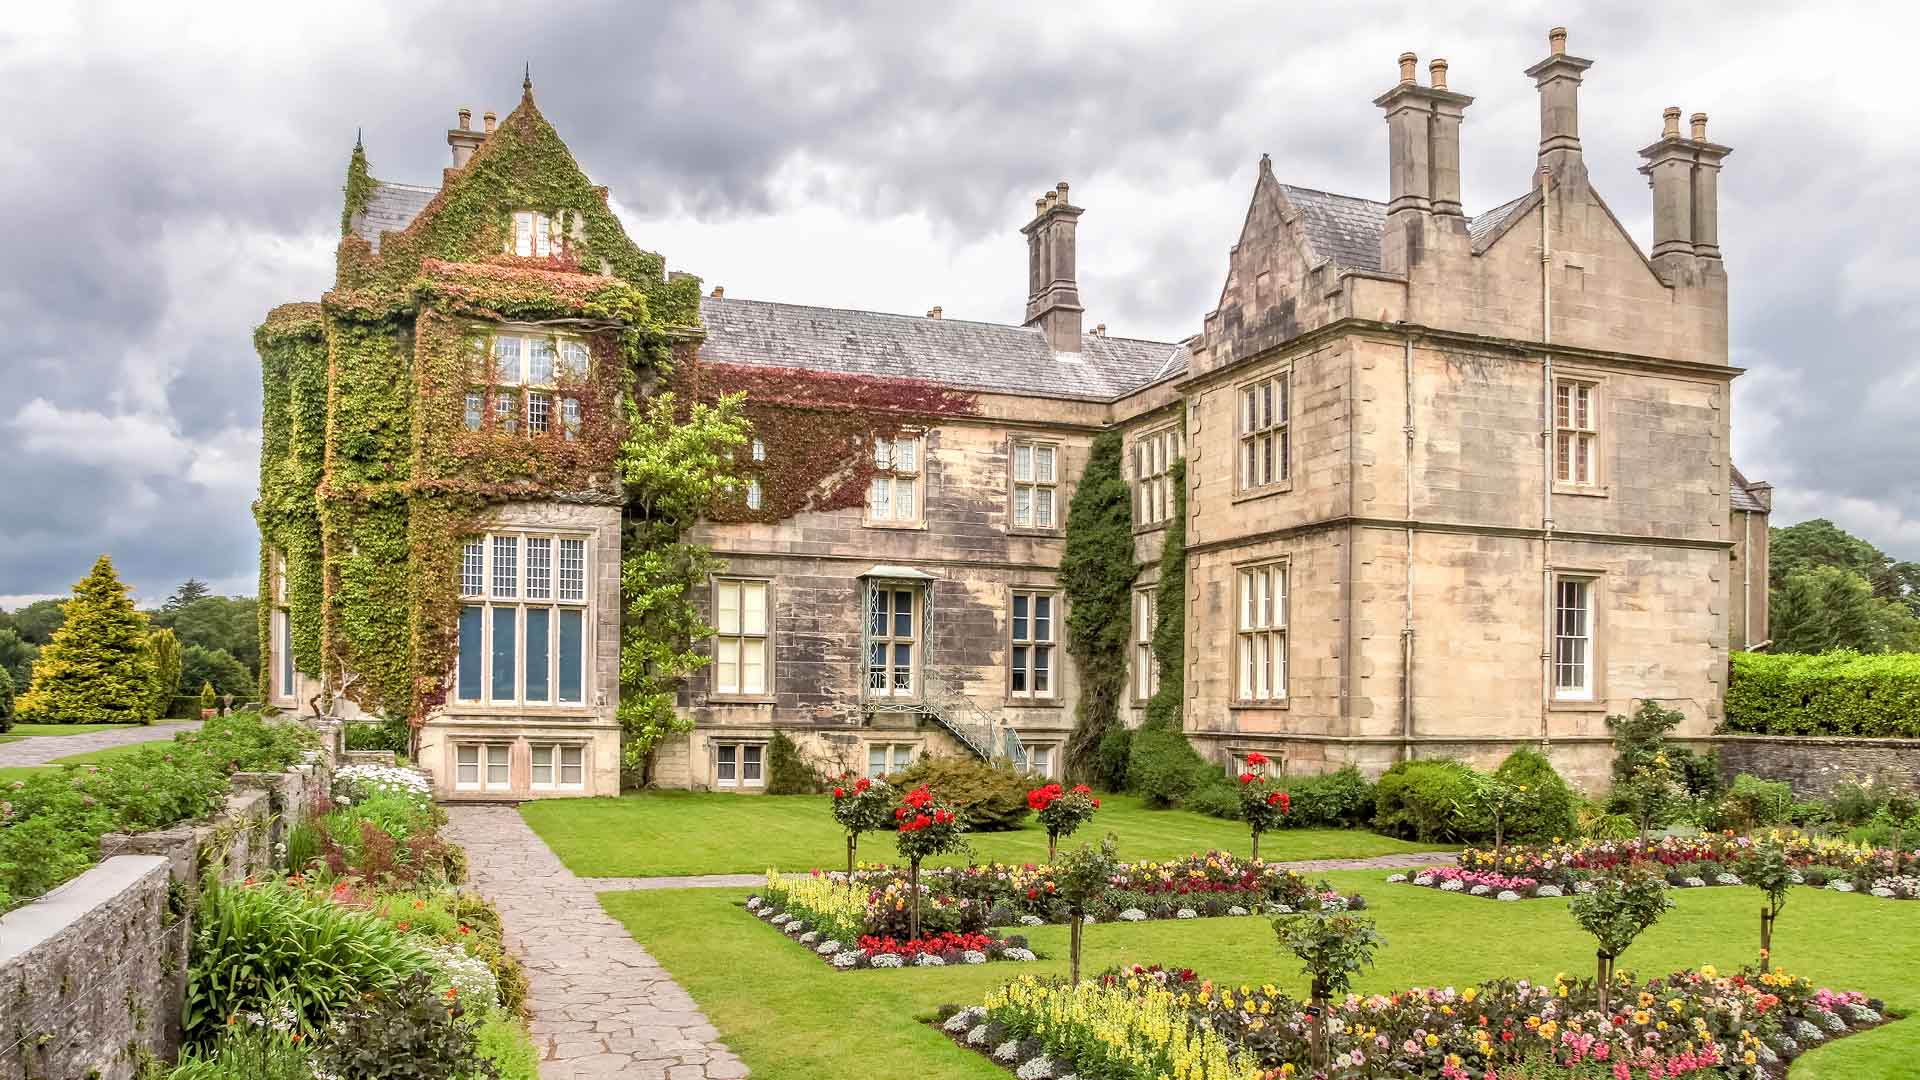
pixel 1754 803
pixel 1163 766
pixel 1335 800
pixel 1215 798
pixel 1546 807
pixel 404 1031
pixel 787 772
pixel 990 798
pixel 1852 803
pixel 503 1041
pixel 247 1051
pixel 268 944
pixel 98 666
pixel 1116 746
pixel 1430 801
pixel 1835 693
pixel 395 735
pixel 6 701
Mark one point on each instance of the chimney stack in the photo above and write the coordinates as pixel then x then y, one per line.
pixel 1684 173
pixel 1053 293
pixel 464 140
pixel 719 292
pixel 490 120
pixel 933 312
pixel 1558 79
pixel 1423 157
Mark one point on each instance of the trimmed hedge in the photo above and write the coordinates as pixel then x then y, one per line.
pixel 1838 693
pixel 1434 800
pixel 1549 809
pixel 990 798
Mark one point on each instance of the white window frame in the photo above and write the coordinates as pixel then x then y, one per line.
pixel 756 498
pixel 1153 456
pixel 1576 432
pixel 524 588
pixel 735 753
pixel 532 234
pixel 1264 413
pixel 890 641
pixel 738 636
pixel 509 392
pixel 1026 645
pixel 898 755
pixel 1575 609
pixel 1146 666
pixel 898 479
pixel 487 756
pixel 1051 751
pixel 1035 468
pixel 1260 639
pixel 557 766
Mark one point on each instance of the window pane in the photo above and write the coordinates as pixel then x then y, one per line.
pixel 539 568
pixel 750 763
pixel 1043 464
pixel 504 647
pixel 883 454
pixel 1043 507
pixel 506 565
pixel 906 456
pixel 903 667
pixel 523 233
pixel 876 761
pixel 496 766
pixel 572 658
pixel 573 569
pixel 537 654
pixel 539 411
pixel 753 607
pixel 753 494
pixel 1020 616
pixel 759 450
pixel 506 360
pixel 753 666
pixel 903 501
pixel 572 765
pixel 728 765
pixel 877 611
pixel 570 417
pixel 1022 462
pixel 468 683
pixel 726 607
pixel 877 666
pixel 285 645
pixel 476 406
pixel 573 359
pixel 1022 506
pixel 542 766
pixel 879 505
pixel 1018 675
pixel 1043 618
pixel 540 360
pixel 902 755
pixel 902 613
pixel 1042 661
pixel 726 665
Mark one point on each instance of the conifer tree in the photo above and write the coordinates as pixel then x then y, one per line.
pixel 164 647
pixel 98 667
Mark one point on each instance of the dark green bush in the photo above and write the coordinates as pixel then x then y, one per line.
pixel 1546 809
pixel 787 772
pixel 6 701
pixel 1335 800
pixel 1163 766
pixel 1430 801
pixel 1835 693
pixel 404 1032
pixel 1215 798
pixel 394 735
pixel 1753 803
pixel 1116 746
pixel 990 798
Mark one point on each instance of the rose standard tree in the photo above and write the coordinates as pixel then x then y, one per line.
pixel 1081 879
pixel 1062 812
pixel 1333 945
pixel 1262 806
pixel 861 806
pixel 1768 870
pixel 926 827
pixel 1615 912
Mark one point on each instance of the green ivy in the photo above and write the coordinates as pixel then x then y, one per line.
pixel 1097 570
pixel 1170 611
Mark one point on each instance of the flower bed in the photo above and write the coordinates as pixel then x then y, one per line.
pixel 827 916
pixel 1549 870
pixel 1146 1022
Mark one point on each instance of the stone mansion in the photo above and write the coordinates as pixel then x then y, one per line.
pixel 1454 483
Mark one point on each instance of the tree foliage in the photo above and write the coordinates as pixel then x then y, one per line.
pixel 36 622
pixel 1097 569
pixel 1162 765
pixel 190 591
pixel 96 668
pixel 16 656
pixel 164 648
pixel 217 668
pixel 676 462
pixel 6 700
pixel 1823 608
pixel 1820 542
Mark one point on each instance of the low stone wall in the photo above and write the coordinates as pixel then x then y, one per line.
pixel 1814 765
pixel 92 975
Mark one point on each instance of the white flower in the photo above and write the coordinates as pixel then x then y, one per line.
pixel 466 973
pixel 1186 913
pixel 1549 890
pixel 1425 881
pixel 1480 890
pixel 1007 1051
pixel 964 1020
pixel 887 960
pixel 827 948
pixel 1132 914
pixel 1727 879
pixel 1840 886
pixel 1040 1068
pixel 973 956
pixel 781 919
pixel 1032 920
pixel 809 937
pixel 753 903
pixel 928 960
pixel 1584 887
pixel 1395 879
pixel 1882 892
pixel 1017 954
pixel 1236 910
pixel 977 1035
pixel 1507 894
pixel 1452 885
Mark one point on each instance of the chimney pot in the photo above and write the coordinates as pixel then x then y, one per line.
pixel 489 119
pixel 1670 127
pixel 1039 205
pixel 933 312
pixel 1408 62
pixel 1699 122
pixel 1439 71
pixel 466 119
pixel 1061 187
pixel 1557 39
pixel 719 292
pixel 1051 198
pixel 1100 330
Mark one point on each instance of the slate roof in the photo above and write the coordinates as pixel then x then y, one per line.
pixel 991 357
pixel 1346 228
pixel 1740 495
pixel 390 208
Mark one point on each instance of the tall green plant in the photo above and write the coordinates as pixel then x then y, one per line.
pixel 1080 879
pixel 164 648
pixel 1618 909
pixel 1768 870
pixel 1333 946
pixel 676 462
pixel 1097 568
pixel 96 669
pixel 1162 765
pixel 6 700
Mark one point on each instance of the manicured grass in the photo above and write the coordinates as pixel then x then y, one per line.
pixel 678 833
pixel 790 1017
pixel 92 757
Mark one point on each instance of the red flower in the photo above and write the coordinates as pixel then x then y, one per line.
pixel 1082 789
pixel 1286 802
pixel 1275 797
pixel 1247 778
pixel 1096 804
pixel 1256 758
pixel 839 793
pixel 1033 894
pixel 861 785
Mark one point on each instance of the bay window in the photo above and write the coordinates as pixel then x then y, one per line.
pixel 523 620
pixel 531 378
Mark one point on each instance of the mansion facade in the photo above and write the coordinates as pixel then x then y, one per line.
pixel 1454 484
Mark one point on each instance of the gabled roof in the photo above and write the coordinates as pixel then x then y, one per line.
pixel 1740 494
pixel 1347 228
pixel 990 357
pixel 1486 228
pixel 390 208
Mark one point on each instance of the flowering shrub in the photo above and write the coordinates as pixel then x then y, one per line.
pixel 925 826
pixel 1062 812
pixel 861 805
pixel 1262 806
pixel 934 944
pixel 354 784
pixel 1115 1031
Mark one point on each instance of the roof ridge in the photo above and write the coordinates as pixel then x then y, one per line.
pixel 1334 194
pixel 920 318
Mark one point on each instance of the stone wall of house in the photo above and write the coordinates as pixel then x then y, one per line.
pixel 95 971
pixel 1814 765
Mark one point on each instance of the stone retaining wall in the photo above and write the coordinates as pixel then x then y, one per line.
pixel 92 975
pixel 1814 765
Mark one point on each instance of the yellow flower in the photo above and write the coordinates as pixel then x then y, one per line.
pixel 1432 1041
pixel 1469 994
pixel 1708 971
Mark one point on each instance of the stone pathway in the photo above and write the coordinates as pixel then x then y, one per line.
pixel 41 749
pixel 601 1006
pixel 747 881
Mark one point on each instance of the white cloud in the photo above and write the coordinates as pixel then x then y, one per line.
pixel 138 446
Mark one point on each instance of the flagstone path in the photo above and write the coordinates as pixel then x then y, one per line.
pixel 41 749
pixel 601 1006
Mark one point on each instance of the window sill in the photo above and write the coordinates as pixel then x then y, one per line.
pixel 1282 703
pixel 741 699
pixel 1595 704
pixel 1585 491
pixel 1029 530
pixel 1140 530
pixel 906 526
pixel 1013 702
pixel 1249 494
pixel 475 710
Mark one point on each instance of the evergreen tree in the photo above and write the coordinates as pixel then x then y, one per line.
pixel 6 700
pixel 16 656
pixel 164 647
pixel 189 591
pixel 1822 608
pixel 1097 569
pixel 96 668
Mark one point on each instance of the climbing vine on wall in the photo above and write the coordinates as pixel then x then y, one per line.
pixel 1170 611
pixel 1097 569
pixel 293 354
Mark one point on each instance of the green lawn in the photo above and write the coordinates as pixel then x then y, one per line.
pixel 678 833
pixel 791 1017
pixel 91 757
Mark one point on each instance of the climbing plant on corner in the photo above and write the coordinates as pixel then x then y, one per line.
pixel 1097 569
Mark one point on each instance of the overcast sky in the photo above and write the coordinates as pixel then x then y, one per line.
pixel 172 174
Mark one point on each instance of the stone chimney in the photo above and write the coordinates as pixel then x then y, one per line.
pixel 719 292
pixel 464 140
pixel 491 120
pixel 933 312
pixel 1053 293
pixel 1558 79
pixel 1684 172
pixel 1423 160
